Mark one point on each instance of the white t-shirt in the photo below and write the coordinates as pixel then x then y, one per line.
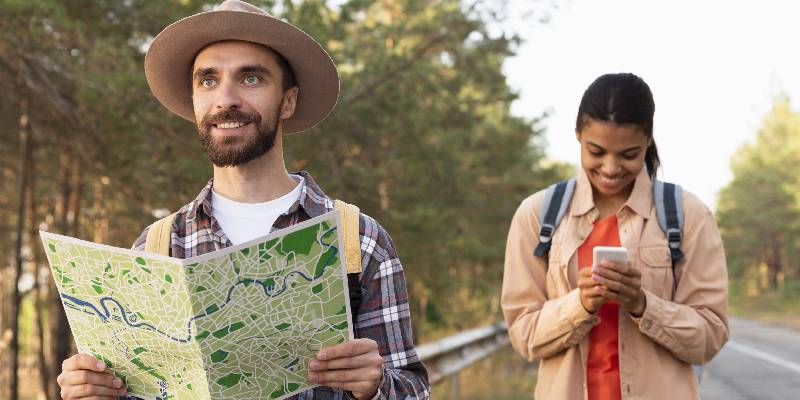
pixel 242 222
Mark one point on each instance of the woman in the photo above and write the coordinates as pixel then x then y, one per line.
pixel 613 330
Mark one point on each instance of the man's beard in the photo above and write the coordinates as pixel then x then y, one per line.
pixel 225 152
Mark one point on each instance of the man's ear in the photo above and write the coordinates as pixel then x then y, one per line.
pixel 289 102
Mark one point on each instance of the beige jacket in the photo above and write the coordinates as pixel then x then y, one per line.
pixel 687 325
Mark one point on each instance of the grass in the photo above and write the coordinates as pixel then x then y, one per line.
pixel 503 376
pixel 781 305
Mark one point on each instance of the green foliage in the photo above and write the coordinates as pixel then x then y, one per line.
pixel 759 211
pixel 422 138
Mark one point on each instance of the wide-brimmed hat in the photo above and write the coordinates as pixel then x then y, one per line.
pixel 169 59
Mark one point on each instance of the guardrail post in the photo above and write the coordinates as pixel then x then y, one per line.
pixel 455 391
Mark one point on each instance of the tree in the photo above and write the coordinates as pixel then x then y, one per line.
pixel 422 139
pixel 759 211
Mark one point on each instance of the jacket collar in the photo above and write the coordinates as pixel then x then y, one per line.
pixel 639 201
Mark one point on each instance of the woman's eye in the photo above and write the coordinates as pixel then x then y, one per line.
pixel 251 79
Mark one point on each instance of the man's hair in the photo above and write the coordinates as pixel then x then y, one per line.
pixel 289 81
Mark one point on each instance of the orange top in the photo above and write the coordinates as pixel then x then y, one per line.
pixel 602 366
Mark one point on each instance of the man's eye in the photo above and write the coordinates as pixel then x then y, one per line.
pixel 596 153
pixel 251 79
pixel 207 82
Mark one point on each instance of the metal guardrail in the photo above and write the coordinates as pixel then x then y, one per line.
pixel 445 357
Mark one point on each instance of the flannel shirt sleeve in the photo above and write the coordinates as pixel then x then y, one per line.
pixel 138 245
pixel 384 316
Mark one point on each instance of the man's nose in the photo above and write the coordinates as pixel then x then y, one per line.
pixel 228 96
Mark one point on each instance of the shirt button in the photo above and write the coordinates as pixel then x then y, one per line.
pixel 646 324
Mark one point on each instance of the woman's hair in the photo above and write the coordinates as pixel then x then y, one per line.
pixel 622 99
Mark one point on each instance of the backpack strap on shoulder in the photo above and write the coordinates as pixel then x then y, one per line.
pixel 669 209
pixel 159 236
pixel 555 205
pixel 349 223
pixel 352 240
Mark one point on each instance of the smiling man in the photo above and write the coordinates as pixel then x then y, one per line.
pixel 246 79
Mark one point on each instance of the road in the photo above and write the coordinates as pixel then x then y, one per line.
pixel 760 362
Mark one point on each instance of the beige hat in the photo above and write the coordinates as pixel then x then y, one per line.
pixel 169 60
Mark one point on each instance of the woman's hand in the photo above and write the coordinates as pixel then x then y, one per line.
pixel 620 282
pixel 591 299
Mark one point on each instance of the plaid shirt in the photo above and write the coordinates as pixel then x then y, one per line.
pixel 384 314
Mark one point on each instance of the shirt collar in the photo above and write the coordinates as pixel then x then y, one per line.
pixel 312 199
pixel 640 200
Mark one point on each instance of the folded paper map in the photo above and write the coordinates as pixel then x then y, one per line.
pixel 238 323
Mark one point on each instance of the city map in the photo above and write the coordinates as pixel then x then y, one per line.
pixel 237 323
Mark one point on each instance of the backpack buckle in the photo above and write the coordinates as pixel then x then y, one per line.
pixel 546 233
pixel 674 237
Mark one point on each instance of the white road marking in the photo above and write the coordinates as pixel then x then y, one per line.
pixel 790 365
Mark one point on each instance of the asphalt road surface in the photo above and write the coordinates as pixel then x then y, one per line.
pixel 761 361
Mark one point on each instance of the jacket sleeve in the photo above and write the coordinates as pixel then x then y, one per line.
pixel 538 326
pixel 385 317
pixel 694 326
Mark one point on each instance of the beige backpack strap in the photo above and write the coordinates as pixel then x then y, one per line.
pixel 159 236
pixel 352 240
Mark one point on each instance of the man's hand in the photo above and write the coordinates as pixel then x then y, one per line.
pixel 591 299
pixel 83 376
pixel 355 366
pixel 621 282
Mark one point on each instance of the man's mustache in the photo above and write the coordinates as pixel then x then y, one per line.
pixel 229 116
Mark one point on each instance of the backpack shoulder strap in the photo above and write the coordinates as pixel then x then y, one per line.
pixel 352 240
pixel 159 236
pixel 555 205
pixel 669 209
pixel 352 253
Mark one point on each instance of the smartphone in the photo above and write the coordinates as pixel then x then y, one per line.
pixel 616 254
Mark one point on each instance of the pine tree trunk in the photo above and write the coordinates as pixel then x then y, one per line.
pixel 13 348
pixel 101 210
pixel 35 244
pixel 59 327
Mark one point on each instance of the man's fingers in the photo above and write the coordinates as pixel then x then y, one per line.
pixel 363 360
pixel 345 375
pixel 355 387
pixel 100 398
pixel 349 349
pixel 83 361
pixel 89 390
pixel 90 377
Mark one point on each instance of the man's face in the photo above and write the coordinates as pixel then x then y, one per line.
pixel 238 101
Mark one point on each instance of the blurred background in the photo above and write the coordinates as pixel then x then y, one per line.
pixel 451 112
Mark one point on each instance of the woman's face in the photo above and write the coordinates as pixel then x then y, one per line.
pixel 612 155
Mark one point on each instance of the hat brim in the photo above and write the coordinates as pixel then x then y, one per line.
pixel 170 57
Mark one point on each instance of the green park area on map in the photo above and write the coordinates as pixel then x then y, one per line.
pixel 238 323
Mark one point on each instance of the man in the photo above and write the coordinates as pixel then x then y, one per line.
pixel 246 79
